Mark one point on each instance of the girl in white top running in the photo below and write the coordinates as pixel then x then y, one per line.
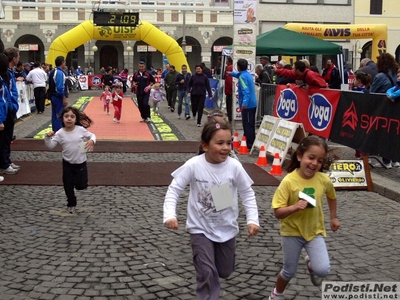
pixel 215 180
pixel 75 141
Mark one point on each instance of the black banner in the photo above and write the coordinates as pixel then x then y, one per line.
pixel 368 122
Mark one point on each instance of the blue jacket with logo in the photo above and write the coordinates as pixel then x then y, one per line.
pixel 4 100
pixel 246 89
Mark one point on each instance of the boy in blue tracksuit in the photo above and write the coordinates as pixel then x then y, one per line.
pixel 247 100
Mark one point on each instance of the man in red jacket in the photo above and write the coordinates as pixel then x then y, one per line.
pixel 301 73
pixel 228 87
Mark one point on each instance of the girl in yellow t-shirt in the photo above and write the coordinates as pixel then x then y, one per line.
pixel 302 224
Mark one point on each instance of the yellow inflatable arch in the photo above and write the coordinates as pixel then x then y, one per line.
pixel 145 32
pixel 376 32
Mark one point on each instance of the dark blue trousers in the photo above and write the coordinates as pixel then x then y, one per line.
pixel 8 132
pixel 249 125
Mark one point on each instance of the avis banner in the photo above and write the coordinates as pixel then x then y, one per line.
pixel 314 108
pixel 369 123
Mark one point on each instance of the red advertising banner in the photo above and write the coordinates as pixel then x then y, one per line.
pixel 95 80
pixel 314 108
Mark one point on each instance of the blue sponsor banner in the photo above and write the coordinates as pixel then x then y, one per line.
pixel 213 102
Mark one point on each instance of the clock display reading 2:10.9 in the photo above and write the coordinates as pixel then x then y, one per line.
pixel 115 19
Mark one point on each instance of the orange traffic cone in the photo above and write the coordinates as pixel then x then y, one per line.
pixel 236 142
pixel 243 146
pixel 262 158
pixel 276 166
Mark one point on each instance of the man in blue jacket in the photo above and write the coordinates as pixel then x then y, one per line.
pixel 247 100
pixel 58 92
pixel 6 165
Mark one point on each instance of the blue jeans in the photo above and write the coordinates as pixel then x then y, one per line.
pixel 249 125
pixel 182 95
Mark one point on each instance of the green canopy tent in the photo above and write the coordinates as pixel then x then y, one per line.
pixel 282 41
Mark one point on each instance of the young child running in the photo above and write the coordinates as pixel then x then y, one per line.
pixel 75 140
pixel 217 116
pixel 117 97
pixel 212 210
pixel 156 96
pixel 302 225
pixel 106 97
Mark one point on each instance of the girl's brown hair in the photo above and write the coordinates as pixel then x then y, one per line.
pixel 305 144
pixel 81 118
pixel 209 129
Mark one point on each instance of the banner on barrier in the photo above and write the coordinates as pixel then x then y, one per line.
pixel 23 100
pixel 265 132
pixel 286 136
pixel 314 108
pixel 369 123
pixel 348 173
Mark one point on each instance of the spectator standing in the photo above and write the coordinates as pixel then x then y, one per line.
pixel 302 74
pixel 58 92
pixel 170 84
pixel 264 61
pixel 385 79
pixel 78 71
pixel 206 70
pixel 6 165
pixel 27 68
pixel 4 96
pixel 228 88
pixel 19 72
pixel 261 75
pixel 368 66
pixel 90 71
pixel 247 101
pixel 163 74
pixel 39 79
pixel 331 75
pixel 141 84
pixel 280 79
pixel 182 80
pixel 198 86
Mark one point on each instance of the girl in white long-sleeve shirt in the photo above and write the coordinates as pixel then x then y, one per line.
pixel 75 141
pixel 215 180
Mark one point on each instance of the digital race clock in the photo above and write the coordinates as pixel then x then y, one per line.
pixel 101 18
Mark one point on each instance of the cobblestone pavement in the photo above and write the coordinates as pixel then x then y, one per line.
pixel 116 247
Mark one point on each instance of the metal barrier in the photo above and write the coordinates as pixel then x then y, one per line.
pixel 266 102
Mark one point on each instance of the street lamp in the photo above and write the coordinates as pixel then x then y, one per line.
pixel 357 52
pixel 94 48
pixel 129 49
pixel 183 45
